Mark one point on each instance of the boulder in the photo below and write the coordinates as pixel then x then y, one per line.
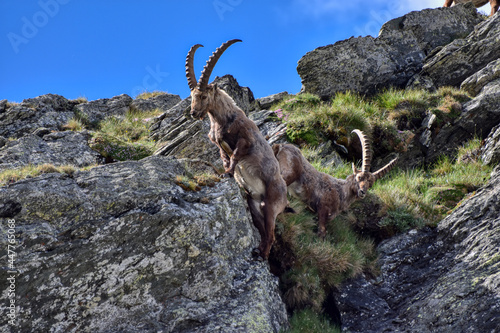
pixel 476 82
pixel 243 96
pixel 46 111
pixel 490 152
pixel 58 148
pixel 462 58
pixel 434 280
pixel 162 102
pixel 99 109
pixel 366 64
pixel 3 105
pixel 123 248
pixel 267 102
pixel 478 117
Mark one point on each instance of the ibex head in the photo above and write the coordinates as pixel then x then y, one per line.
pixel 202 94
pixel 364 179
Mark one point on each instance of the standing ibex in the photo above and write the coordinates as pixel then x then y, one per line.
pixel 478 3
pixel 244 151
pixel 324 194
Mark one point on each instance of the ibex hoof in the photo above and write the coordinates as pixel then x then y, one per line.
pixel 256 255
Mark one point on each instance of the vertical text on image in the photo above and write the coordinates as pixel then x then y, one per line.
pixel 11 273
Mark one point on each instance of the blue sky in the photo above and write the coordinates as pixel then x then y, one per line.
pixel 100 49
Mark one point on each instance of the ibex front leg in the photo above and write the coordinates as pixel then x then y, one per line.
pixel 240 151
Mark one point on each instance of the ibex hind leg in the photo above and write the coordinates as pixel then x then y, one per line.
pixel 258 221
pixel 273 205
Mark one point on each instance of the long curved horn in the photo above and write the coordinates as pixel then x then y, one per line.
pixel 381 172
pixel 191 77
pixel 207 70
pixel 365 144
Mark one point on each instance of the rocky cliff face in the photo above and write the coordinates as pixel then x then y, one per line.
pixel 123 248
pixel 366 64
pixel 444 280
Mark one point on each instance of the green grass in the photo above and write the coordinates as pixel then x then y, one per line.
pixel 125 138
pixel 309 321
pixel 14 175
pixel 423 197
pixel 318 265
pixel 388 115
pixel 149 94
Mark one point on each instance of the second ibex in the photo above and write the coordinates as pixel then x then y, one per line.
pixel 244 151
pixel 324 194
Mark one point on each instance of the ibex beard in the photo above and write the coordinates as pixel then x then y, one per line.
pixel 245 153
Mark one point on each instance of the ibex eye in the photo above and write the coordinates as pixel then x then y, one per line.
pixel 204 97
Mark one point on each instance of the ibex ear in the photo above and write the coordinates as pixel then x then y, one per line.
pixel 354 169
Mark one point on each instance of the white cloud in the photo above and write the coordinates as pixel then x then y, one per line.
pixel 377 11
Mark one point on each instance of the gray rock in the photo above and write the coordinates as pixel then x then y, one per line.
pixel 474 83
pixel 490 152
pixel 478 117
pixel 47 111
pixel 3 105
pixel 434 280
pixel 267 102
pixel 49 102
pixel 161 102
pixel 59 148
pixel 366 64
pixel 99 109
pixel 123 248
pixel 464 57
pixel 274 131
pixel 161 125
pixel 243 96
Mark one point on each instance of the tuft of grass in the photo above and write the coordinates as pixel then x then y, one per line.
pixel 80 100
pixel 133 127
pixel 149 94
pixel 191 182
pixel 311 121
pixel 74 124
pixel 318 265
pixel 309 321
pixel 187 184
pixel 125 138
pixel 116 149
pixel 13 175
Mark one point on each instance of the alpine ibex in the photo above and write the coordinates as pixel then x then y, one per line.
pixel 324 194
pixel 478 3
pixel 245 153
